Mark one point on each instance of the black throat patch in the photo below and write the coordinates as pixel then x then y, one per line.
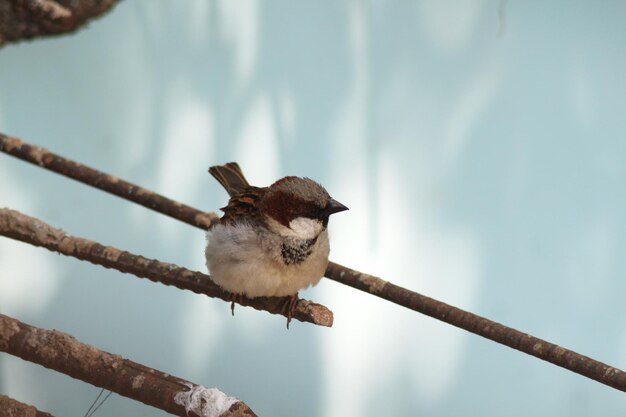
pixel 296 251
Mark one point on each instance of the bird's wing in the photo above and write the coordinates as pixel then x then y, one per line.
pixel 231 177
pixel 243 206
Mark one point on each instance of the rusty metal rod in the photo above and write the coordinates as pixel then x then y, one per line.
pixel 13 408
pixel 439 310
pixel 116 186
pixel 27 229
pixel 22 20
pixel 557 355
pixel 63 353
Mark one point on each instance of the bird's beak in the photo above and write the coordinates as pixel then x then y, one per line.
pixel 334 206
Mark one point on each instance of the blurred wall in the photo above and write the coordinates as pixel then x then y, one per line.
pixel 480 148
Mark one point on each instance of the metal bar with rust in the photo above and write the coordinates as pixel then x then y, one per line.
pixel 557 355
pixel 105 182
pixel 28 229
pixel 63 353
pixel 13 408
pixel 439 310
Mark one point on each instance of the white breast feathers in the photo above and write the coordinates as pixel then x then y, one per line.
pixel 246 259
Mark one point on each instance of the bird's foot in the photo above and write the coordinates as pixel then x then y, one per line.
pixel 290 306
pixel 235 298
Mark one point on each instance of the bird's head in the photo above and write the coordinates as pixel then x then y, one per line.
pixel 298 207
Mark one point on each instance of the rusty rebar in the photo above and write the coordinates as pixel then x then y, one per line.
pixel 28 19
pixel 481 326
pixel 13 408
pixel 28 229
pixel 63 353
pixel 105 182
pixel 439 310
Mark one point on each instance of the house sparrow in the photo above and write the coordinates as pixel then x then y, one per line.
pixel 271 241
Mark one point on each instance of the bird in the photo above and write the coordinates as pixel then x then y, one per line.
pixel 271 241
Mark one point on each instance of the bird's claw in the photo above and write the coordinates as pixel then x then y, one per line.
pixel 290 306
pixel 235 298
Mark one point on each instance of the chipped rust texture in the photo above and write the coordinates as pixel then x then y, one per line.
pixel 27 19
pixel 61 352
pixel 473 323
pixel 481 326
pixel 13 408
pixel 18 226
pixel 43 158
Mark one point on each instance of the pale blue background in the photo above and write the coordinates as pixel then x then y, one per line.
pixel 480 147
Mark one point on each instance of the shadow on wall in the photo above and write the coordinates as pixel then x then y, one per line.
pixel 472 176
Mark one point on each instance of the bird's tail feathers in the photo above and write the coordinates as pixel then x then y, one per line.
pixel 231 177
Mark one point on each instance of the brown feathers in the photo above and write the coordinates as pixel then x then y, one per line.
pixel 283 201
pixel 231 177
pixel 271 241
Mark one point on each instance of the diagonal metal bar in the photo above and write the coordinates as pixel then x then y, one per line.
pixel 439 310
pixel 557 355
pixel 13 408
pixel 116 186
pixel 27 229
pixel 21 20
pixel 63 353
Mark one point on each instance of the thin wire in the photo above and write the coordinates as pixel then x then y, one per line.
pixel 102 402
pixel 94 402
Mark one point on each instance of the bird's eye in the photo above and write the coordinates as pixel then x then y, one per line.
pixel 306 209
pixel 315 213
